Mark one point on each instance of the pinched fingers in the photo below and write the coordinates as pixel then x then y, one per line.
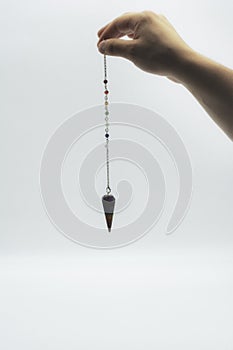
pixel 120 26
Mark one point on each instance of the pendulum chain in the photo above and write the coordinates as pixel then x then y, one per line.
pixel 108 189
pixel 108 199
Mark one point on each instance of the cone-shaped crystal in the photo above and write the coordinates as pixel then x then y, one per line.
pixel 108 201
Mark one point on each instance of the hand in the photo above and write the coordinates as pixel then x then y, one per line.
pixel 156 46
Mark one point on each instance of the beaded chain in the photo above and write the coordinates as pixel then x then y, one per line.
pixel 108 189
pixel 108 200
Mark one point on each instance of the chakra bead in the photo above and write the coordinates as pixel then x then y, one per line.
pixel 107 113
pixel 106 135
pixel 105 81
pixel 106 103
pixel 106 92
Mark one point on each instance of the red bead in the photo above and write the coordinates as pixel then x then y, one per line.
pixel 106 92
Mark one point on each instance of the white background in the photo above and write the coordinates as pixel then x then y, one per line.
pixel 165 292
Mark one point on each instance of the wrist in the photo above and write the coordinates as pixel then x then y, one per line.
pixel 186 68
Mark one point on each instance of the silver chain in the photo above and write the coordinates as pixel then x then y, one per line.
pixel 108 189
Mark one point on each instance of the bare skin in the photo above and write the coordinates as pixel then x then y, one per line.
pixel 157 48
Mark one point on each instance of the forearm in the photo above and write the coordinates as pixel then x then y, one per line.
pixel 158 49
pixel 211 83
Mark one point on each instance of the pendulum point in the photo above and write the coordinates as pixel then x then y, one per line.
pixel 108 201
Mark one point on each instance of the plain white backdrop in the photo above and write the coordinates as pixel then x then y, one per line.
pixel 165 292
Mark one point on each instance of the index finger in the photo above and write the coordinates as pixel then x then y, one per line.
pixel 120 26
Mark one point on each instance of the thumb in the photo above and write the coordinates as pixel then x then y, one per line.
pixel 116 47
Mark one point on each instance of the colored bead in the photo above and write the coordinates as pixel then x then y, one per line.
pixel 106 102
pixel 107 113
pixel 106 92
pixel 105 81
pixel 107 135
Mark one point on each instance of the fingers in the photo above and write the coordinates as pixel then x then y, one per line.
pixel 117 47
pixel 101 30
pixel 121 26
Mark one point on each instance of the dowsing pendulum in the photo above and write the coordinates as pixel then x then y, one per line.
pixel 108 199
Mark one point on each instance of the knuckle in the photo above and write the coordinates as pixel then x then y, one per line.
pixel 126 13
pixel 147 17
pixel 148 13
pixel 162 16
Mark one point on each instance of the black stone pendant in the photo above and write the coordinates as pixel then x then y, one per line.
pixel 108 201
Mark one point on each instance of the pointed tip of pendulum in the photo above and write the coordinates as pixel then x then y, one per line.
pixel 108 201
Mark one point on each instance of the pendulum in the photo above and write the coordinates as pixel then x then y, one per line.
pixel 108 199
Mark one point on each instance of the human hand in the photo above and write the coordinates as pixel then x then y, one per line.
pixel 156 46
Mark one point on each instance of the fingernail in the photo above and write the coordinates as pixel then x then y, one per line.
pixel 102 46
